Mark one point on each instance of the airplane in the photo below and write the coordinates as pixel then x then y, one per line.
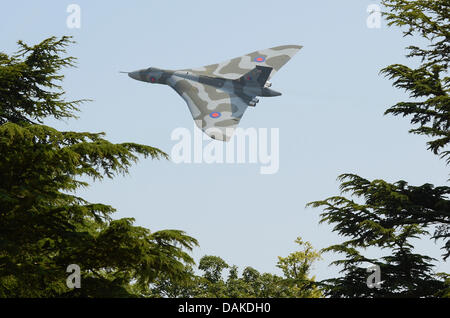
pixel 218 94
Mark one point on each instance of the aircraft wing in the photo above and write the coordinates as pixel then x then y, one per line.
pixel 215 112
pixel 274 57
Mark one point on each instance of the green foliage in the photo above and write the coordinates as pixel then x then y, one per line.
pixel 296 269
pixel 389 218
pixel 428 85
pixel 294 283
pixel 44 225
pixel 29 82
pixel 445 293
pixel 212 266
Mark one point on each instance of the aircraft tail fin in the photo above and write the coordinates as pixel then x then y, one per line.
pixel 258 75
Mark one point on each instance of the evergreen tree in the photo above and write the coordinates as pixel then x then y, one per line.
pixel 390 215
pixel 44 225
pixel 429 83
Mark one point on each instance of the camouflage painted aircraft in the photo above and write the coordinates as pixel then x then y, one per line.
pixel 218 95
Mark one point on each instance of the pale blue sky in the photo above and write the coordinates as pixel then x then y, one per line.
pixel 330 115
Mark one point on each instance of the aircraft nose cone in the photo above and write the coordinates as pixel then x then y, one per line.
pixel 135 75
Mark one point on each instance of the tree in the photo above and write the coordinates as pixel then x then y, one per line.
pixel 44 225
pixel 296 269
pixel 295 283
pixel 388 216
pixel 211 283
pixel 429 83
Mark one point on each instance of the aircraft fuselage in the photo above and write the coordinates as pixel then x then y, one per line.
pixel 236 86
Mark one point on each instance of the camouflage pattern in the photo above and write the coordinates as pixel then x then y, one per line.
pixel 218 94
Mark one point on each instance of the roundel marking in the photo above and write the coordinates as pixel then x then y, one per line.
pixel 259 59
pixel 215 115
pixel 152 79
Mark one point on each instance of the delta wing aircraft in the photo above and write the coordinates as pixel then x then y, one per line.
pixel 218 94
